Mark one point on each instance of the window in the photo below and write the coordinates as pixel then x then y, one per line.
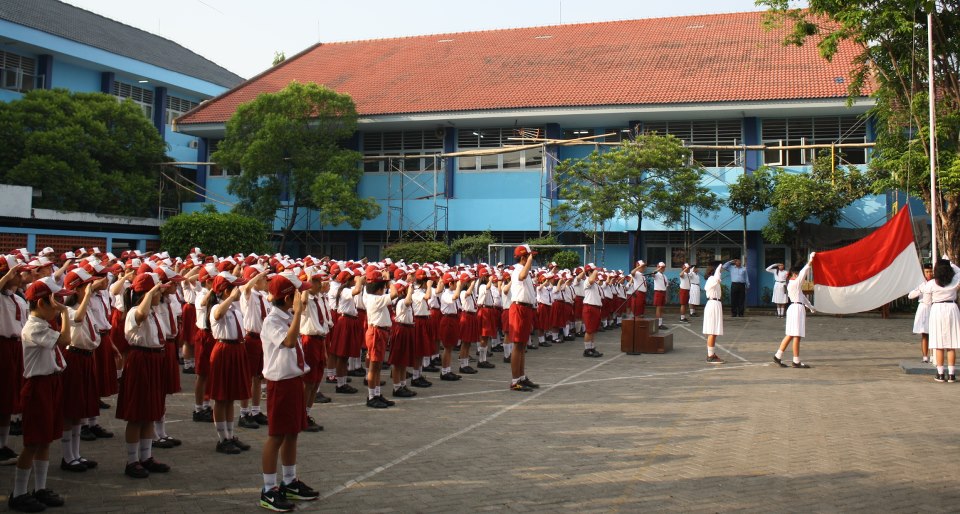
pixel 402 151
pixel 215 170
pixel 619 135
pixel 678 256
pixel 372 252
pixel 728 253
pixel 18 73
pixel 478 139
pixel 138 95
pixel 775 254
pixel 706 133
pixel 656 254
pixel 576 133
pixel 177 107
pixel 808 131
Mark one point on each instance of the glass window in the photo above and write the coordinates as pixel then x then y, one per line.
pixel 678 256
pixel 775 254
pixel 402 144
pixel 576 133
pixel 513 160
pixel 656 254
pixel 706 133
pixel 472 139
pixel 18 72
pixel 822 131
pixel 371 252
pixel 705 256
pixel 177 107
pixel 729 252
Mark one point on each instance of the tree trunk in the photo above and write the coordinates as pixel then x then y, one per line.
pixel 636 240
pixel 744 240
pixel 948 227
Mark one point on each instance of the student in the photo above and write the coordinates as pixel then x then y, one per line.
pixel 168 313
pixel 695 290
pixel 713 312
pixel 314 328
pixel 944 317
pixel 507 300
pixel 346 338
pixel 228 380
pixel 107 354
pixel 253 308
pixel 684 292
pixel 921 320
pixel 283 366
pixel 660 292
pixel 640 285
pixel 521 316
pixel 14 312
pixel 424 339
pixel 488 315
pixel 203 345
pixel 796 315
pixel 403 340
pixel 469 323
pixel 591 309
pixel 449 322
pixel 542 319
pixel 188 316
pixel 377 301
pixel 40 396
pixel 779 298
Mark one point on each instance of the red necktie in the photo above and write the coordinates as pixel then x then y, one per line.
pixel 316 303
pixel 15 306
pixel 58 357
pixel 159 330
pixel 236 323
pixel 263 310
pixel 300 361
pixel 93 335
pixel 173 322
pixel 106 308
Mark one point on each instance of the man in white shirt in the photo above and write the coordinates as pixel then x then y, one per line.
pixel 660 292
pixel 523 296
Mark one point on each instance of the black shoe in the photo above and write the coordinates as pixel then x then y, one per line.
pixel 662 327
pixel 506 360
pixel 172 440
pixel 203 416
pixel 532 347
pixel 376 403
pixel 330 380
pixel 8 457
pixel 529 383
pixel 240 444
pixel 16 427
pixel 436 362
pixel 568 338
pixel 384 366
pixel 450 377
pixel 403 392
pixel 546 344
pixel 275 500
pixel 322 398
pixel 312 425
pixel 100 432
pixel 382 382
pixel 25 503
pixel 421 382
pixel 779 362
pixel 390 403
pixel 456 348
pixel 801 365
pixel 359 372
pixel 162 443
pixel 685 320
pixel 486 365
pixel 951 378
pixel 135 470
pixel 86 434
pixel 591 352
pixel 104 405
pixel 519 387
pixel 346 389
pixel 297 490
pixel 190 371
pixel 90 464
pixel 75 466
pixel 940 377
pixel 260 418
pixel 715 359
pixel 48 498
pixel 430 369
pixel 467 370
pixel 227 446
pixel 153 466
pixel 497 349
pixel 247 421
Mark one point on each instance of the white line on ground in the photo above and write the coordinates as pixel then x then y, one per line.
pixel 718 345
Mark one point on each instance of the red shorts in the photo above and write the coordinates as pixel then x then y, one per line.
pixel 42 415
pixel 315 355
pixel 203 347
pixel 376 340
pixel 591 318
pixel 80 398
pixel 141 387
pixel 286 414
pixel 521 322
pixel 639 303
pixel 505 324
pixel 449 330
pixel 684 296
pixel 228 378
pixel 578 307
pixel 488 322
pixel 254 348
pixel 11 375
pixel 659 298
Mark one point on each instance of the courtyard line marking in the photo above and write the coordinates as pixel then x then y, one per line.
pixel 718 345
pixel 413 453
pixel 667 373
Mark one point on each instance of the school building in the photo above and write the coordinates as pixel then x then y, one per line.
pixel 46 44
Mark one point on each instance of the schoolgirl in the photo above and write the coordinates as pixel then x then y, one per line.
pixel 469 322
pixel 377 301
pixel 168 313
pixel 592 307
pixel 229 379
pixel 713 312
pixel 424 339
pixel 346 338
pixel 544 305
pixel 14 312
pixel 695 290
pixel 944 317
pixel 403 339
pixel 779 297
pixel 487 315
pixel 203 344
pixel 253 309
pixel 449 322
pixel 796 315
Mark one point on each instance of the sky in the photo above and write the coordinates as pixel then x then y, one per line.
pixel 242 35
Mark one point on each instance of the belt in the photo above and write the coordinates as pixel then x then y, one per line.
pixel 524 304
pixel 81 351
pixel 102 332
pixel 797 303
pixel 11 339
pixel 229 341
pixel 348 316
pixel 717 299
pixel 405 324
pixel 780 281
pixel 383 328
pixel 422 316
pixel 946 301
pixel 450 316
pixel 150 349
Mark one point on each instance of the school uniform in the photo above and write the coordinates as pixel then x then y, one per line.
pixel 921 320
pixel 253 307
pixel 378 326
pixel 283 370
pixel 640 295
pixel 403 344
pixel 577 298
pixel 779 284
pixel 488 312
pixel 543 320
pixel 188 314
pixel 229 372
pixel 694 288
pixel 592 306
pixel 659 289
pixel 523 296
pixel 424 338
pixel 449 320
pixel 944 323
pixel 507 301
pixel 684 288
pixel 797 312
pixel 469 322
pixel 100 311
pixel 141 397
pixel 203 340
pixel 313 337
pixel 80 394
pixel 346 339
pixel 713 311
pixel 40 395
pixel 14 312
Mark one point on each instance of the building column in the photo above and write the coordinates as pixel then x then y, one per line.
pixel 45 68
pixel 752 160
pixel 160 110
pixel 32 243
pixel 201 169
pixel 449 164
pixel 106 82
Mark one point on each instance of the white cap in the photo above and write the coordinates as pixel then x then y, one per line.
pixel 661 264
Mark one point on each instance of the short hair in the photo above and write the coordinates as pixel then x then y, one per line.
pixel 943 272
pixel 375 287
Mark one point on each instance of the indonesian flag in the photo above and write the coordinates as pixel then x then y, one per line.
pixel 869 273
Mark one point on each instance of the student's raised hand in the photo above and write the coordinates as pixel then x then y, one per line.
pixel 811 255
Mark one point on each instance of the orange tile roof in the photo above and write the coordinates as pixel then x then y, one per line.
pixel 689 59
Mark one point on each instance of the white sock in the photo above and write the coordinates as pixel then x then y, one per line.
pixel 444 370
pixel 371 394
pixel 20 479
pixel 40 476
pixel 197 407
pixel 221 429
pixel 376 391
pixel 4 434
pixel 483 354
pixel 425 362
pixel 66 443
pixel 566 330
pixel 146 449
pixel 711 351
pixel 289 474
pixel 464 362
pixel 779 354
pixel 951 370
pixel 75 441
pixel 397 386
pixel 160 427
pixel 255 410
pixel 244 411
pixel 579 326
pixel 693 311
pixel 269 481
pixel 230 429
pixel 206 404
pixel 541 339
pixel 796 360
pixel 507 349
pixel 416 373
pixel 133 452
pixel 341 381
pixel 939 370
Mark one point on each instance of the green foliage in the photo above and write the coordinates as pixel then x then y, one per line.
pixel 473 248
pixel 85 152
pixel 751 192
pixel 291 142
pixel 278 57
pixel 651 176
pixel 223 233
pixel 544 254
pixel 567 259
pixel 418 252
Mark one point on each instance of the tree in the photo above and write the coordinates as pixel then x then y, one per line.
pixel 289 144
pixel 651 176
pixel 216 233
pixel 418 252
pixel 750 193
pixel 278 57
pixel 474 248
pixel 567 259
pixel 892 36
pixel 84 152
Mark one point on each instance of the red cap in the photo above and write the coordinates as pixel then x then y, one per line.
pixel 252 271
pixel 77 279
pixel 420 274
pixel 523 250
pixel 224 280
pixel 145 282
pixel 226 266
pixel 374 275
pixel 448 278
pixel 284 284
pixel 43 288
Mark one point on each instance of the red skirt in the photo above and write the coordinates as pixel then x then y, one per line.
pixel 403 346
pixel 376 342
pixel 11 375
pixel 286 413
pixel 505 324
pixel 315 355
pixel 469 327
pixel 488 322
pixel 80 396
pixel 141 398
pixel 606 307
pixel 254 348
pixel 435 317
pixel 449 330
pixel 228 379
pixel 425 343
pixel 591 318
pixel 521 322
pixel 578 307
pixel 346 338
pixel 42 412
pixel 543 318
pixel 118 319
pixel 171 368
pixel 203 348
pixel 559 312
pixel 639 303
pixel 105 374
pixel 188 324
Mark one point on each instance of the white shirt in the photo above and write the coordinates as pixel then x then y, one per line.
pixel 313 319
pixel 467 302
pixel 448 302
pixel 659 282
pixel 713 288
pixel 164 311
pixel 522 291
pixel 640 281
pixel 694 279
pixel 591 293
pixel 201 308
pixel 252 305
pixel 507 299
pixel 420 307
pixel 937 293
pixel 684 280
pixel 99 309
pixel 377 307
pixel 484 296
pixel 11 308
pixel 80 331
pixel 404 312
pixel 545 295
pixel 146 333
pixel 795 289
pixel 280 362
pixel 347 306
pixel 229 326
pixel 40 353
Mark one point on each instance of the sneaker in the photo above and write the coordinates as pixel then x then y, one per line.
pixel 519 387
pixel 390 403
pixel 25 503
pixel 421 382
pixel 486 365
pixel 203 416
pixel 376 403
pixel 260 418
pixel 247 421
pixel 661 327
pixel 86 434
pixel 322 398
pixel 436 362
pixel 135 470
pixel 403 392
pixel 779 362
pixel 227 446
pixel 450 377
pixel 240 444
pixel 153 466
pixel 359 372
pixel 48 498
pixel 312 425
pixel 100 432
pixel 75 466
pixel 430 369
pixel 297 490
pixel 684 320
pixel 568 338
pixel 16 427
pixel 940 377
pixel 8 457
pixel 275 500
pixel 714 359
pixel 467 370
pixel 529 383
pixel 951 378
pixel 346 389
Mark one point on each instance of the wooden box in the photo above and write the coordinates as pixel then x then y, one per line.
pixel 657 343
pixel 628 337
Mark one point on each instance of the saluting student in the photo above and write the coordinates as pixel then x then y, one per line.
pixel 377 301
pixel 592 304
pixel 314 327
pixel 449 322
pixel 796 315
pixel 695 290
pixel 521 317
pixel 253 308
pixel 229 380
pixel 425 341
pixel 14 312
pixel 488 315
pixel 713 312
pixel 403 340
pixel 346 338
pixel 660 292
pixel 469 323
pixel 780 276
pixel 684 292
pixel 640 289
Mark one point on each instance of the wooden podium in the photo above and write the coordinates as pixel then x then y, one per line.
pixel 641 335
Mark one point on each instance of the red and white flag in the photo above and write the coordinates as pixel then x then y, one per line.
pixel 869 273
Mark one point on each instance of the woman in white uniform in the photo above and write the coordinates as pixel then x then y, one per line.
pixel 713 311
pixel 779 288
pixel 796 316
pixel 944 316
pixel 694 275
pixel 921 321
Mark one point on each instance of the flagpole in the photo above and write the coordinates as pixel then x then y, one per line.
pixel 933 137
